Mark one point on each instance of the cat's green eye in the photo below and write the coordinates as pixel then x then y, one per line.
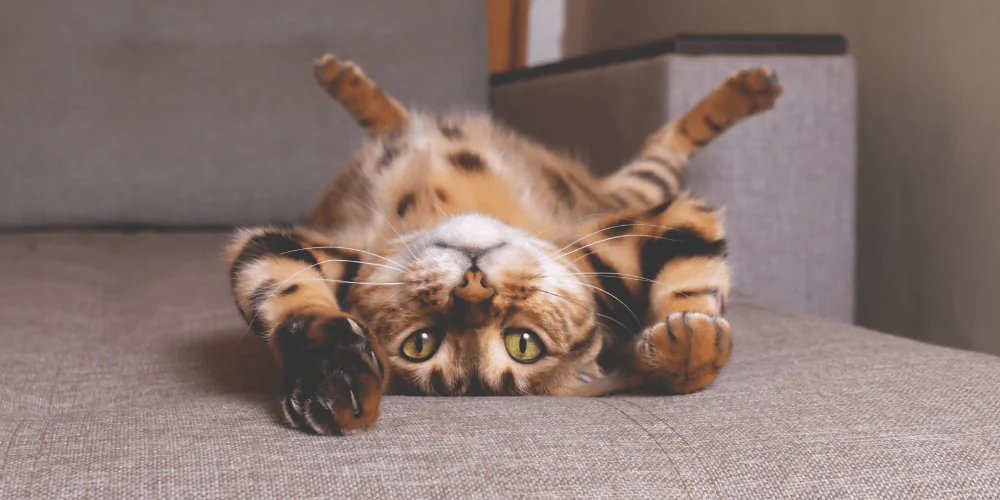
pixel 420 345
pixel 523 345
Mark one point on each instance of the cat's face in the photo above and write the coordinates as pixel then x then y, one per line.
pixel 474 306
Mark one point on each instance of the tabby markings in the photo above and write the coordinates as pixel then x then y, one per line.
pixel 612 285
pixel 451 131
pixel 389 154
pixel 467 161
pixel 663 162
pixel 277 244
pixel 651 177
pixel 350 273
pixel 508 386
pixel 714 127
pixel 559 186
pixel 439 385
pixel 405 203
pixel 257 299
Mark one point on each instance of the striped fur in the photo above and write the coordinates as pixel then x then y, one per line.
pixel 457 232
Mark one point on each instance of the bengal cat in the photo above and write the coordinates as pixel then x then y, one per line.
pixel 454 257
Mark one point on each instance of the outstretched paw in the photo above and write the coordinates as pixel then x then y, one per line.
pixel 685 352
pixel 759 87
pixel 334 373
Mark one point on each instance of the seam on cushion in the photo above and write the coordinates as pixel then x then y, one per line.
pixel 41 449
pixel 10 443
pixel 658 444
pixel 55 381
pixel 686 443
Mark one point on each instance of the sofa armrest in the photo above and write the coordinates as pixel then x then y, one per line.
pixel 786 178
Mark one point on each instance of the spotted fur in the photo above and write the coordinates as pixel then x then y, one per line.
pixel 461 231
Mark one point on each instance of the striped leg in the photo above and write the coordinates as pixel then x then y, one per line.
pixel 372 108
pixel 657 172
pixel 667 267
pixel 688 341
pixel 290 293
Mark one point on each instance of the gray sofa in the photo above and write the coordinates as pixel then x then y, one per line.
pixel 134 133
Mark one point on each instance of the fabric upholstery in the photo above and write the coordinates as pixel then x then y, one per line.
pixel 786 178
pixel 125 372
pixel 201 113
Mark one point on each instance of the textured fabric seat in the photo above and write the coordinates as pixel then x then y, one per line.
pixel 126 373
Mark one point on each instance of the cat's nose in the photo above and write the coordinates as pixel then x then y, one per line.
pixel 474 288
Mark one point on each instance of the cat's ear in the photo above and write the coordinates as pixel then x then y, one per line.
pixel 376 111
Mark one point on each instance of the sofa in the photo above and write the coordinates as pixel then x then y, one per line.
pixel 136 134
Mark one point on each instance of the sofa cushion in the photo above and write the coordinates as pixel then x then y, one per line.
pixel 126 372
pixel 196 113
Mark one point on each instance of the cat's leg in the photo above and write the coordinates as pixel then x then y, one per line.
pixel 656 174
pixel 292 292
pixel 667 266
pixel 376 111
pixel 688 341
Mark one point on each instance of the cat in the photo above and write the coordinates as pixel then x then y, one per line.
pixel 454 257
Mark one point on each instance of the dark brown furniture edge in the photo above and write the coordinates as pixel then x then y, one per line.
pixel 826 44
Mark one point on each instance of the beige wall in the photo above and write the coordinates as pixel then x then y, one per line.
pixel 929 77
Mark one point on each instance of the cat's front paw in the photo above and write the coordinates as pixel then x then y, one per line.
pixel 684 353
pixel 334 374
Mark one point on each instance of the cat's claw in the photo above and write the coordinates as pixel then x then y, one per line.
pixel 334 374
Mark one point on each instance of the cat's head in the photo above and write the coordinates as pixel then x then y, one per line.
pixel 475 306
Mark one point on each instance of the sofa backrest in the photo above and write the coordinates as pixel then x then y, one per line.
pixel 193 113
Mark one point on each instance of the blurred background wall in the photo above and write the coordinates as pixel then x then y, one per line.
pixel 929 213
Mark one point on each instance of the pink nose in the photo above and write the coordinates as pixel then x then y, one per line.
pixel 474 288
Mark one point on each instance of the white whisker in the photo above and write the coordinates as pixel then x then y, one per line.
pixel 578 219
pixel 609 294
pixel 614 238
pixel 633 223
pixel 399 236
pixel 630 277
pixel 328 280
pixel 363 263
pixel 589 235
pixel 400 268
pixel 281 285
pixel 668 228
pixel 585 307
